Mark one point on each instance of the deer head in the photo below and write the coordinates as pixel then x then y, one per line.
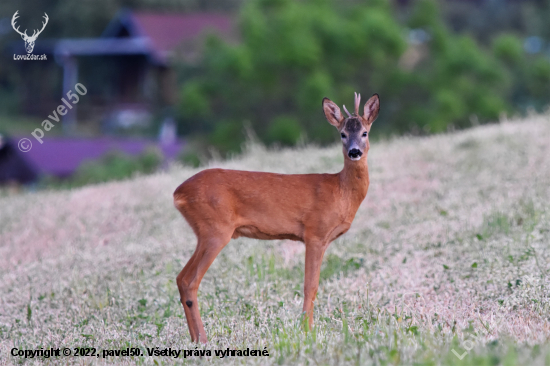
pixel 29 41
pixel 354 130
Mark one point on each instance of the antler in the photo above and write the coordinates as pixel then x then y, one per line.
pixel 345 109
pixel 15 16
pixel 357 101
pixel 43 26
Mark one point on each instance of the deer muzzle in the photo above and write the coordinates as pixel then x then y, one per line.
pixel 355 154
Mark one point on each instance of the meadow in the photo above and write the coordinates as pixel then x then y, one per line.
pixel 446 263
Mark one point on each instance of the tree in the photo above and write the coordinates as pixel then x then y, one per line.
pixel 292 54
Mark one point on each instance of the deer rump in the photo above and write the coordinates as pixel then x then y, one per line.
pixel 264 205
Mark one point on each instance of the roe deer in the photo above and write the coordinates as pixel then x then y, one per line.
pixel 221 204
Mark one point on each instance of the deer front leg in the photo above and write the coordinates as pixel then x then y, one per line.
pixel 314 257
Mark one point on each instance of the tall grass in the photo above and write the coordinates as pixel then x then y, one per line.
pixel 446 263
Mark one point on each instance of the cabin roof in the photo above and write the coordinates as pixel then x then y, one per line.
pixel 166 31
pixel 62 156
pixel 156 35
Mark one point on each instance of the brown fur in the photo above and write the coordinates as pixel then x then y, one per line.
pixel 316 209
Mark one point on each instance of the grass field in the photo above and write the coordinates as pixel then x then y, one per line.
pixel 446 263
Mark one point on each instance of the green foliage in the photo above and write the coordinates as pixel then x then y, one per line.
pixel 508 48
pixel 456 79
pixel 191 158
pixel 285 130
pixel 290 57
pixel 292 54
pixel 530 74
pixel 539 78
pixel 227 136
pixel 195 103
pixel 116 166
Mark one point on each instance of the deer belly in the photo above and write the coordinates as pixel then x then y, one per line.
pixel 254 232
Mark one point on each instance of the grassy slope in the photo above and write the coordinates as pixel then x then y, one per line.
pixel 450 250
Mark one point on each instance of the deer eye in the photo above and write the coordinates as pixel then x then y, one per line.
pixel 343 135
pixel 364 134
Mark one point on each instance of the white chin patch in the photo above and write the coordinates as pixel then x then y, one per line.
pixel 355 159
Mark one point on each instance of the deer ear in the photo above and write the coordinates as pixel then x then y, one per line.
pixel 332 112
pixel 372 107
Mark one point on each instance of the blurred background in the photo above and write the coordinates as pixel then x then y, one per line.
pixel 189 80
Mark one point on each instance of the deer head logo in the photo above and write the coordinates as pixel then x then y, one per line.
pixel 29 41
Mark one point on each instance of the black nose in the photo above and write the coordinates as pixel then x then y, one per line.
pixel 354 153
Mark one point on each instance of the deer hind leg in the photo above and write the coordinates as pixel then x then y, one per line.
pixel 314 257
pixel 189 279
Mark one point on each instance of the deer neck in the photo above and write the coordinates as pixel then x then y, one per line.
pixel 354 180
